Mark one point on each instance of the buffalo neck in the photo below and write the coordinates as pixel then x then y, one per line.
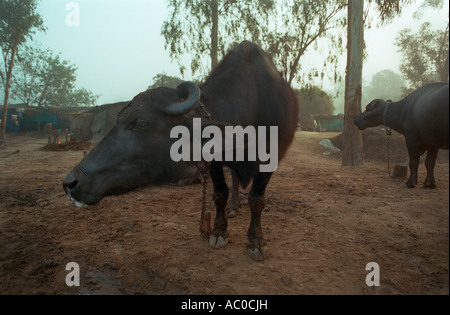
pixel 393 115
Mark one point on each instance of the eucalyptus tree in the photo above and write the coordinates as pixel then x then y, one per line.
pixel 43 78
pixel 19 20
pixel 299 24
pixel 387 10
pixel 207 28
pixel 424 55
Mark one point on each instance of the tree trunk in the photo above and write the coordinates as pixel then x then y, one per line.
pixel 41 99
pixel 7 87
pixel 444 74
pixel 352 144
pixel 214 32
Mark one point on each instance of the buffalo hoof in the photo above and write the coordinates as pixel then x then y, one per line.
pixel 258 253
pixel 408 185
pixel 218 241
pixel 430 185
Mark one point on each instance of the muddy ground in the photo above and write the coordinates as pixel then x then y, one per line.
pixel 323 223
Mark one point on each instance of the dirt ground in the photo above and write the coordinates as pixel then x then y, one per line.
pixel 323 223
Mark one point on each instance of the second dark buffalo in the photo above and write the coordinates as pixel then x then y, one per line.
pixel 245 89
pixel 422 117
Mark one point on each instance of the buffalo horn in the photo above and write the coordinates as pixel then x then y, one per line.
pixel 189 93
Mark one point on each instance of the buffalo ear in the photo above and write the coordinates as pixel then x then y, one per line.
pixel 373 104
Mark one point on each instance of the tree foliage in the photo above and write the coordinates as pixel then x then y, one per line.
pixel 42 78
pixel 388 9
pixel 434 4
pixel 385 84
pixel 191 28
pixel 314 101
pixel 302 23
pixel 425 55
pixel 19 20
pixel 286 30
pixel 162 79
pixel 80 97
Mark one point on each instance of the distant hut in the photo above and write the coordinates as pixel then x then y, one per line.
pixel 95 123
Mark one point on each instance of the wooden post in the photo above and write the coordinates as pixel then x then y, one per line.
pixel 214 32
pixel 352 142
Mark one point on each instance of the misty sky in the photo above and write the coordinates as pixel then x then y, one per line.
pixel 118 49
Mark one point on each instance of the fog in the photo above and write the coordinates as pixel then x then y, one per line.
pixel 117 47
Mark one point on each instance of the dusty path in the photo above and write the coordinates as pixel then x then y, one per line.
pixel 323 224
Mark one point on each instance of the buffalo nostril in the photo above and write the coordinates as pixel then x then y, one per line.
pixel 69 182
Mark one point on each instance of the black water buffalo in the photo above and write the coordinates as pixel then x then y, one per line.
pixel 422 117
pixel 245 89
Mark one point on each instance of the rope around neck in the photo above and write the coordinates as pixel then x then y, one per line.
pixel 388 134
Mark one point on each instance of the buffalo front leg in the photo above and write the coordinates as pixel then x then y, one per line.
pixel 257 247
pixel 430 163
pixel 414 159
pixel 219 234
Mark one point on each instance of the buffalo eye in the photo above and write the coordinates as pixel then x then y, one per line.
pixel 141 124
